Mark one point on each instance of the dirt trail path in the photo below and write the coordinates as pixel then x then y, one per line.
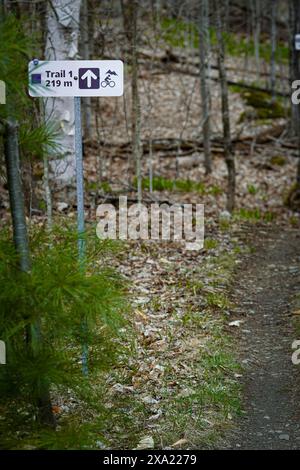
pixel 264 290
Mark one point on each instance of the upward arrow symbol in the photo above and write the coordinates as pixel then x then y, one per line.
pixel 88 76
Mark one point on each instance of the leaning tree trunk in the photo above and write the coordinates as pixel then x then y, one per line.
pixel 228 150
pixel 33 335
pixel 203 54
pixel 62 44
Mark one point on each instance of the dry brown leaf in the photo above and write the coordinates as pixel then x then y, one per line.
pixel 179 443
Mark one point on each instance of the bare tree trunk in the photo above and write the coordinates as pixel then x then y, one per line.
pixel 150 166
pixel 16 197
pixel 11 150
pixel 62 44
pixel 203 53
pixel 130 14
pixel 273 49
pixel 228 150
pixel 226 16
pixel 100 162
pixel 256 33
pixel 47 190
pixel 294 20
pixel 3 7
pixel 136 107
pixel 248 36
pixel 157 14
pixel 86 56
pixel 46 178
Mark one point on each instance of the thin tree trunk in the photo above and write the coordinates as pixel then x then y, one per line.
pixel 226 16
pixel 256 33
pixel 203 53
pixel 295 72
pixel 294 58
pixel 100 163
pixel 11 150
pixel 150 166
pixel 228 151
pixel 130 14
pixel 136 107
pixel 47 190
pixel 157 14
pixel 16 197
pixel 248 37
pixel 273 49
pixel 177 162
pixel 86 56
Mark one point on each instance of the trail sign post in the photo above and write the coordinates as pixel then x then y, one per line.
pixel 76 78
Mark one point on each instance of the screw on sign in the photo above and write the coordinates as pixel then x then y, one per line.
pixel 76 78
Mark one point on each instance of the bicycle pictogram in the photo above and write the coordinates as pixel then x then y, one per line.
pixel 108 80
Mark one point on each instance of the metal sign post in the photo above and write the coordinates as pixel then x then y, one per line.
pixel 80 212
pixel 75 79
pixel 79 179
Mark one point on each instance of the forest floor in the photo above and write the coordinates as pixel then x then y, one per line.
pixel 264 293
